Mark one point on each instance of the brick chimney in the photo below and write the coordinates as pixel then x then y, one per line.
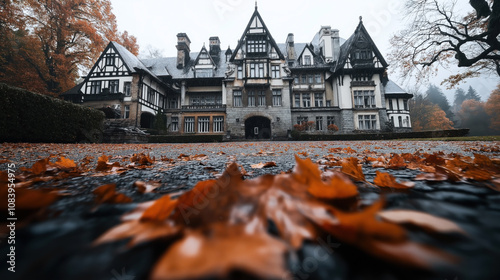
pixel 183 49
pixel 290 47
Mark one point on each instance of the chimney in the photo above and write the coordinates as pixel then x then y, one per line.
pixel 290 47
pixel 336 44
pixel 183 44
pixel 214 46
pixel 326 43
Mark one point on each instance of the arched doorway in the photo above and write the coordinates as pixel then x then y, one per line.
pixel 147 120
pixel 258 128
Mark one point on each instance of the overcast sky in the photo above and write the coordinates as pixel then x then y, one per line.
pixel 156 23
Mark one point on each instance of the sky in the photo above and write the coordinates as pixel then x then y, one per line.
pixel 156 23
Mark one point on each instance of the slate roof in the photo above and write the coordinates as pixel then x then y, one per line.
pixel 391 88
pixel 133 63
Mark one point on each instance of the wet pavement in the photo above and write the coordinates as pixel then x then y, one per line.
pixel 57 245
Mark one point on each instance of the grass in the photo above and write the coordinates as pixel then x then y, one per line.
pixel 465 138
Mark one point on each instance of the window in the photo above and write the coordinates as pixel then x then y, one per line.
pixel 126 111
pixel 218 124
pixel 126 88
pixel 296 80
pixel 405 104
pixel 302 120
pixel 303 79
pixel 95 87
pixel 364 99
pixel 317 78
pixel 237 98
pixel 110 60
pixel 262 99
pixel 310 79
pixel 391 106
pixel 189 124
pixel 318 100
pixel 114 86
pixel 240 72
pixel 307 60
pixel 256 45
pixel 175 124
pixel 204 73
pixel 297 100
pixel 261 70
pixel 275 71
pixel 367 122
pixel 173 103
pixel 203 124
pixel 151 95
pixel 328 103
pixel 251 98
pixel 276 97
pixel 256 70
pixel 319 123
pixel 363 54
pixel 407 121
pixel 400 121
pixel 306 100
pixel 330 120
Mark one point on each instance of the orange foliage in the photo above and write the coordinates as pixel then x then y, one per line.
pixel 45 42
pixel 493 109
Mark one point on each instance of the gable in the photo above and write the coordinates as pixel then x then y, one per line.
pixel 360 51
pixel 256 41
pixel 110 63
pixel 307 56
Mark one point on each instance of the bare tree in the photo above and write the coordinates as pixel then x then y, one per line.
pixel 438 34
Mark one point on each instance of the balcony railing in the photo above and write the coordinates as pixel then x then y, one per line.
pixel 204 108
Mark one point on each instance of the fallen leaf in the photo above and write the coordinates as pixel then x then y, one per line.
pixel 107 194
pixel 160 210
pixel 351 167
pixel 263 165
pixel 388 181
pixel 148 187
pixel 340 187
pixel 420 219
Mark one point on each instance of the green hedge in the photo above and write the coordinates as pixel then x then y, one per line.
pixel 32 117
pixel 185 138
pixel 381 135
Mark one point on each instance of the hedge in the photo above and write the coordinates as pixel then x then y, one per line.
pixel 30 117
pixel 185 138
pixel 383 135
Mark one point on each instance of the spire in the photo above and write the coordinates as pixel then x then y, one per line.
pixel 256 5
pixel 360 19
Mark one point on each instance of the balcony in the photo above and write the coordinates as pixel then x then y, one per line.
pixel 103 97
pixel 204 108
pixel 362 83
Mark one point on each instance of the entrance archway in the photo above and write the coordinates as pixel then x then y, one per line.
pixel 258 128
pixel 147 120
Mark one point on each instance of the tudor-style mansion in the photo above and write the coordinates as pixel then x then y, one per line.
pixel 260 89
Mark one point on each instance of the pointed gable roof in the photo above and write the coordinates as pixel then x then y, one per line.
pixel 359 34
pixel 204 54
pixel 255 19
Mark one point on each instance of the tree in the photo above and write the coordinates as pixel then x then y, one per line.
pixel 438 35
pixel 459 99
pixel 436 96
pixel 493 109
pixel 472 95
pixel 50 41
pixel 473 116
pixel 427 116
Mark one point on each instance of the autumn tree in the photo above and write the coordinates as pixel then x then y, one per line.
pixel 46 43
pixel 436 96
pixel 493 109
pixel 472 115
pixel 439 35
pixel 427 116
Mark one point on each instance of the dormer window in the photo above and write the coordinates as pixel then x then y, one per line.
pixel 256 45
pixel 204 73
pixel 363 54
pixel 307 60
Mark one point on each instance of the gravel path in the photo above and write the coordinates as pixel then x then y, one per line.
pixel 57 247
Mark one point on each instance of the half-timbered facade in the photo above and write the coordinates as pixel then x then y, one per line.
pixel 260 89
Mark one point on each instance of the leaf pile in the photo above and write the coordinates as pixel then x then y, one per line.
pixel 225 225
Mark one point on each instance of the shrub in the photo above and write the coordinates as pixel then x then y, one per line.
pixel 32 117
pixel 333 128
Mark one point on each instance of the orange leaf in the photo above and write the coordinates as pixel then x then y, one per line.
pixel 387 180
pixel 65 163
pixel 421 219
pixel 40 166
pixel 107 194
pixel 351 167
pixel 160 210
pixel 340 187
pixel 263 165
pixel 221 251
pixel 396 162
